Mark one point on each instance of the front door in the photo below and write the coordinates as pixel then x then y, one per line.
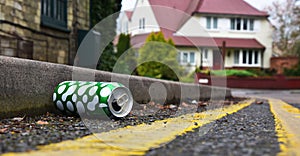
pixel 217 60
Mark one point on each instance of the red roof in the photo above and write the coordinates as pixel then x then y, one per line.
pixel 217 42
pixel 232 7
pixel 139 40
pixel 172 14
pixel 129 14
pixel 181 5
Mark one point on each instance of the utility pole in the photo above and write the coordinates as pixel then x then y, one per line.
pixel 223 54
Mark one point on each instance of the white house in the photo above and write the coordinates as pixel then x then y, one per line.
pixel 205 31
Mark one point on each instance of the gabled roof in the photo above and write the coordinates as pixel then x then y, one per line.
pixel 172 14
pixel 129 14
pixel 182 5
pixel 231 7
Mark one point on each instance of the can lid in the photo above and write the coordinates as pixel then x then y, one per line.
pixel 120 101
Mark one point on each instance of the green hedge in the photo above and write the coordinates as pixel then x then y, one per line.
pixel 239 73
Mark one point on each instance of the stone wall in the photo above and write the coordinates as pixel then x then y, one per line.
pixel 20 24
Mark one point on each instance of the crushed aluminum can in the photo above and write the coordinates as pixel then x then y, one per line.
pixel 93 98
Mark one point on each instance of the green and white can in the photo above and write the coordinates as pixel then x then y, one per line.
pixel 93 98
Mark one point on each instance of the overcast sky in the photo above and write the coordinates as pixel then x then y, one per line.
pixel 259 4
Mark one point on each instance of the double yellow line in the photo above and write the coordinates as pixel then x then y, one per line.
pixel 134 140
pixel 287 125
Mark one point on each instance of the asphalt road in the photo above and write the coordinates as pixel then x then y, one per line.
pixel 250 131
pixel 260 128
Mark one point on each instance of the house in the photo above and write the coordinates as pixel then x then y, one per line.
pixel 205 32
pixel 45 30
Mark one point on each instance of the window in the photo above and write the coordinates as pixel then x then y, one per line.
pixel 205 54
pixel 242 24
pixel 247 57
pixel 236 57
pixel 211 23
pixel 251 24
pixel 192 58
pixel 232 24
pixel 245 24
pixel 187 57
pixel 125 27
pixel 205 58
pixel 54 14
pixel 208 22
pixel 256 57
pixel 244 56
pixel 238 24
pixel 250 60
pixel 215 23
pixel 142 23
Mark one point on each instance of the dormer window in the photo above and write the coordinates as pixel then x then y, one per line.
pixel 211 22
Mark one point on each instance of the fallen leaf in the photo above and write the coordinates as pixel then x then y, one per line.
pixel 159 106
pixel 40 122
pixel 172 106
pixel 259 102
pixel 194 102
pixel 227 102
pixel 202 103
pixel 184 104
pixel 3 130
pixel 18 118
pixel 151 103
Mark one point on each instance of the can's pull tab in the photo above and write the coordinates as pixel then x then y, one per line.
pixel 122 100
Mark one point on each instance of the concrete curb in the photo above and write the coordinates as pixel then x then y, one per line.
pixel 26 86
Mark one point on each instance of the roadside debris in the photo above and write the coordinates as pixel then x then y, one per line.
pixel 18 118
pixel 40 122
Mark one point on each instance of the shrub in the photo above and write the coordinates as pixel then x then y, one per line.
pixel 157 58
pixel 263 72
pixel 189 78
pixel 292 72
pixel 231 72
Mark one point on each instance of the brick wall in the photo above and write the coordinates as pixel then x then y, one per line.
pixel 20 27
pixel 279 63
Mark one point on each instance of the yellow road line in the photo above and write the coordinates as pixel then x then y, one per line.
pixel 287 126
pixel 134 140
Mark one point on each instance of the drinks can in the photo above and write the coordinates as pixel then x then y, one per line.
pixel 93 98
